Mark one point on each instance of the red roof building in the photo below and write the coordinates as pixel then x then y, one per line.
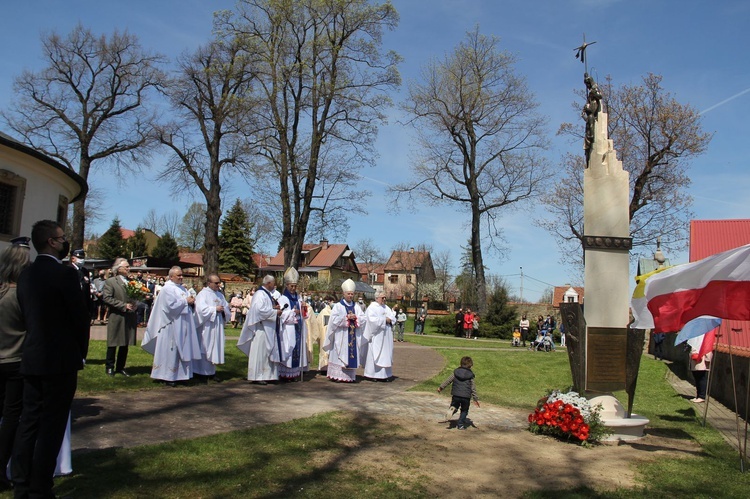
pixel 567 294
pixel 708 237
pixel 327 262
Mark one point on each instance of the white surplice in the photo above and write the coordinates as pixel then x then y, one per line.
pixel 378 336
pixel 290 317
pixel 210 324
pixel 258 339
pixel 337 343
pixel 171 336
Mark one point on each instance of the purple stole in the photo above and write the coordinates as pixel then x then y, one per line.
pixel 352 339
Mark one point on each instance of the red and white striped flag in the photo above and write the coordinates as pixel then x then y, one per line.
pixel 718 286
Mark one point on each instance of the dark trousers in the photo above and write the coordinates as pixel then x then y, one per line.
pixel 461 403
pixel 11 398
pixel 122 357
pixel 701 379
pixel 46 405
pixel 524 335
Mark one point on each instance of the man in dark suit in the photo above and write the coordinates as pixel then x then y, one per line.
pixel 122 323
pixel 56 344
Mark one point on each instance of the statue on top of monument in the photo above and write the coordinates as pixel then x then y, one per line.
pixel 590 112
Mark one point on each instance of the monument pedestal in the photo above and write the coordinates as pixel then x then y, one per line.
pixel 613 417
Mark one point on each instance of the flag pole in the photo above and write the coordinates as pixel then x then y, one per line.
pixel 708 382
pixel 734 392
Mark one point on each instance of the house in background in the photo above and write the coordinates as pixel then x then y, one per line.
pixel 151 239
pixel 33 187
pixel 332 263
pixel 567 294
pixel 404 271
pixel 373 274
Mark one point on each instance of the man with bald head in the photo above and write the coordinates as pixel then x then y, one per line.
pixel 170 336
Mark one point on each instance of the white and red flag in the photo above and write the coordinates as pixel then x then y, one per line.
pixel 717 286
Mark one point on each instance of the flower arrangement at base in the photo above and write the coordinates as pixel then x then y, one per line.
pixel 567 416
pixel 136 291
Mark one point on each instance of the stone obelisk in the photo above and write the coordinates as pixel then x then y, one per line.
pixel 607 243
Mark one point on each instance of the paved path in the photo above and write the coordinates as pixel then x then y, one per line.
pixel 131 418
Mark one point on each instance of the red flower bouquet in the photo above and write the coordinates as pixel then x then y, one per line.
pixel 567 416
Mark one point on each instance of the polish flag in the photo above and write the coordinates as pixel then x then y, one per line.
pixel 718 286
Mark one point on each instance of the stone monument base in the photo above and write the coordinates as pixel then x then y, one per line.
pixel 612 416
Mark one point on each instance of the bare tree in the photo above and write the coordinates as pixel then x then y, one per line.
pixel 87 105
pixel 170 222
pixel 367 252
pixel 210 96
pixel 480 140
pixel 321 77
pixel 442 263
pixel 152 222
pixel 264 230
pixel 190 233
pixel 656 137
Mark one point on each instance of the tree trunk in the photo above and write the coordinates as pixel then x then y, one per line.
pixel 79 209
pixel 211 243
pixel 477 262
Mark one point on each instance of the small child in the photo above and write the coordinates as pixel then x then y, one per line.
pixel 463 390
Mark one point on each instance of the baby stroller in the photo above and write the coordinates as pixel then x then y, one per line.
pixel 543 342
pixel 516 342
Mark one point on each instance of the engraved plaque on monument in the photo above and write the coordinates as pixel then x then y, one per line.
pixel 606 362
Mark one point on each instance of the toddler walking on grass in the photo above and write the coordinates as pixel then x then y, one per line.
pixel 462 391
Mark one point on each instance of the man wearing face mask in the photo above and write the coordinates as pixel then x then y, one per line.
pixel 56 344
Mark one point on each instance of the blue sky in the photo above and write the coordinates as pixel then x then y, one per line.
pixel 699 47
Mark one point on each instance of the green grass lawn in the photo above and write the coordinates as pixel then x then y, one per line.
pixel 93 378
pixel 301 458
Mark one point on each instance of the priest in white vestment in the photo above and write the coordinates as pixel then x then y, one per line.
pixel 171 336
pixel 378 336
pixel 293 332
pixel 344 336
pixel 259 339
pixel 211 314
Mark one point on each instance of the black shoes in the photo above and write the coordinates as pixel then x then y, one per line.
pixel 110 372
pixel 124 373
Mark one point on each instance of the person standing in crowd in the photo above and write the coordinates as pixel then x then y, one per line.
pixel 699 366
pixel 246 301
pixel 293 331
pixel 378 334
pixel 13 260
pixel 460 322
pixel 420 320
pixel 259 339
pixel 57 325
pixel 122 323
pixel 658 345
pixel 524 327
pixel 400 323
pixel 468 323
pixel 344 336
pixel 235 305
pixel 170 336
pixel 101 308
pixel 211 314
